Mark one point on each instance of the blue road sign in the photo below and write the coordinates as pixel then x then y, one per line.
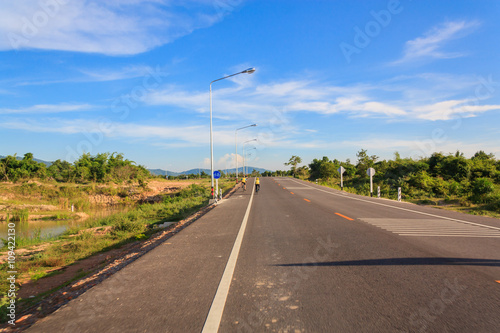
pixel 216 174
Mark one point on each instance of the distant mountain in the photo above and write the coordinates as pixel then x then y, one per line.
pixel 34 159
pixel 160 172
pixel 195 171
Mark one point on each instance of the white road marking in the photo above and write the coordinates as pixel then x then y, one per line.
pixel 214 317
pixel 431 228
pixel 401 208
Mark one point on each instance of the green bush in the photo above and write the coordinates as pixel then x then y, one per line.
pixel 125 225
pixel 481 190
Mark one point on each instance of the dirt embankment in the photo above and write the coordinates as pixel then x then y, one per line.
pixel 153 192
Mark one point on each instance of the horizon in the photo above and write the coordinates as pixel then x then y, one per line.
pixel 285 167
pixel 331 78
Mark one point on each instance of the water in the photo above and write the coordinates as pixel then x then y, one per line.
pixel 48 228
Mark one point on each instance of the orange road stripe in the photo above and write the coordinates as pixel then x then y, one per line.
pixel 348 218
pixel 292 192
pixel 498 281
pixel 307 200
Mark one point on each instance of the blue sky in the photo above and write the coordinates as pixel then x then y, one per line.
pixel 332 77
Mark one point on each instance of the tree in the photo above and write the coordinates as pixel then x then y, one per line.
pixel 322 169
pixel 255 173
pixel 481 155
pixel 481 189
pixel 303 171
pixel 61 171
pixel 294 160
pixel 364 162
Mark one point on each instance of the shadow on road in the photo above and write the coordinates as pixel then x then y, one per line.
pixel 404 262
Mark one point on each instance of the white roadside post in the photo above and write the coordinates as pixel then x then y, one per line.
pixel 216 175
pixel 341 170
pixel 378 192
pixel 399 194
pixel 371 172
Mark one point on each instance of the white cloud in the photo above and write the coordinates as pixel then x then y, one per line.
pixel 428 96
pixel 450 109
pixel 107 27
pixel 48 108
pixel 274 111
pixel 355 105
pixel 257 102
pixel 228 161
pixel 128 72
pixel 431 44
pixel 149 74
pixel 159 135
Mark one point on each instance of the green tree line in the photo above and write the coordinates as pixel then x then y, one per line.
pixel 474 180
pixel 104 167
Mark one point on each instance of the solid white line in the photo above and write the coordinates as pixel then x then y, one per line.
pixel 214 317
pixel 400 208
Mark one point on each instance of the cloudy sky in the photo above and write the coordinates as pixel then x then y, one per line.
pixel 332 77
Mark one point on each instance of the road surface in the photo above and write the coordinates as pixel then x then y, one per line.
pixel 298 257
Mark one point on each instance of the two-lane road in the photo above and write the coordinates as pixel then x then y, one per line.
pixel 298 257
pixel 317 260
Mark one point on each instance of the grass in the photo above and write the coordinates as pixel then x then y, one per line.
pixel 83 242
pixel 20 215
pixel 58 216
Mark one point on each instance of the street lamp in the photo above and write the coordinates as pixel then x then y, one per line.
pixel 245 160
pixel 236 146
pixel 246 71
pixel 244 143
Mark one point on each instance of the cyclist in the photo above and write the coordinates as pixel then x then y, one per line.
pixel 244 182
pixel 257 184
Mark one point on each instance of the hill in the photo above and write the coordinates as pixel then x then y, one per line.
pixel 161 172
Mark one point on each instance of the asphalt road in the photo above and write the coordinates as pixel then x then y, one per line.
pixel 311 259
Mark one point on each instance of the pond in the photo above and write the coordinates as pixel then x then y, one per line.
pixel 54 227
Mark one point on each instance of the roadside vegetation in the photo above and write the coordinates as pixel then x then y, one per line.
pixel 45 257
pixel 32 191
pixel 451 181
pixel 100 168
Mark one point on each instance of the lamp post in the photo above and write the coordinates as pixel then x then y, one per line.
pixel 247 71
pixel 236 146
pixel 246 171
pixel 244 156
